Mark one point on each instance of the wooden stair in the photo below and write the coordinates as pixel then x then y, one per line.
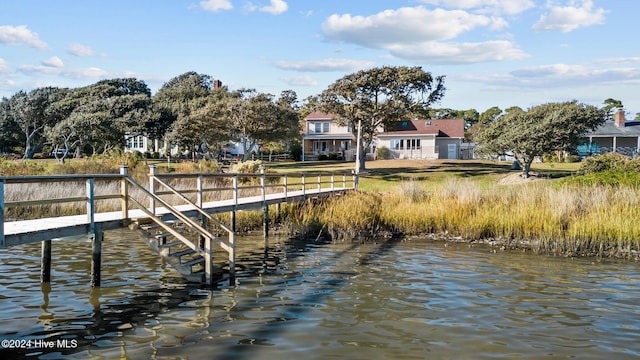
pixel 175 252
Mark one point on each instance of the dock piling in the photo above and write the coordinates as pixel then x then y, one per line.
pixel 96 258
pixel 45 262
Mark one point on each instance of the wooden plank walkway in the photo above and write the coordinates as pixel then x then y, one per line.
pixel 36 230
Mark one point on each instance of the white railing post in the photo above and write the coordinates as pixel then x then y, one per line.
pixel 263 185
pixel 124 191
pixel 152 188
pixel 344 181
pixel 2 213
pixel 232 257
pixel 91 204
pixel 200 187
pixel 319 183
pixel 285 185
pixel 304 186
pixel 235 191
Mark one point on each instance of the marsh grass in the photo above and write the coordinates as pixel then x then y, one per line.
pixel 568 221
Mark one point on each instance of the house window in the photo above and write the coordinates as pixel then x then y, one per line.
pixel 321 127
pixel 405 144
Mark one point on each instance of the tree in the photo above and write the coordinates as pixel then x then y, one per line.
pixel 31 113
pixel 610 104
pixel 200 125
pixel 255 118
pixel 9 130
pixel 379 97
pixel 99 116
pixel 539 130
pixel 174 104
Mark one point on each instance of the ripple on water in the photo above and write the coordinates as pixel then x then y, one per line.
pixel 326 300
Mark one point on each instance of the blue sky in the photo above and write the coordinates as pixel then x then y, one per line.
pixel 493 52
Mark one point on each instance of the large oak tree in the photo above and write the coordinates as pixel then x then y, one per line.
pixel 377 98
pixel 539 130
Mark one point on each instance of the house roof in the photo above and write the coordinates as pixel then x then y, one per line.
pixel 316 115
pixel 609 128
pixel 453 128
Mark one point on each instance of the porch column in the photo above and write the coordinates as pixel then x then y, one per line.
pixel 302 158
pixel 615 141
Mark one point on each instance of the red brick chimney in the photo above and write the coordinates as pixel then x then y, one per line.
pixel 217 84
pixel 618 118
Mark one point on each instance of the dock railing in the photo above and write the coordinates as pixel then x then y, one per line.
pixel 67 189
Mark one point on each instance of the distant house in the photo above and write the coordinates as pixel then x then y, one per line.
pixel 322 136
pixel 410 139
pixel 424 139
pixel 617 135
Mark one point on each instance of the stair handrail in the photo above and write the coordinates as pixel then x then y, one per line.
pixel 189 202
pixel 177 213
pixel 168 228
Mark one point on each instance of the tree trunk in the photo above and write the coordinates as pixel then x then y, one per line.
pixel 526 166
pixel 363 159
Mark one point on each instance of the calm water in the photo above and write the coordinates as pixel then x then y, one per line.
pixel 383 300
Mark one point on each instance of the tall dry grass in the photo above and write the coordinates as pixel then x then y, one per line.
pixel 559 220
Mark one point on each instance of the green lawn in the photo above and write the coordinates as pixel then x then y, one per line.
pixel 386 175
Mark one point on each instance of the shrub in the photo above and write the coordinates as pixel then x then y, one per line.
pixel 610 161
pixel 383 152
pixel 322 157
pixel 202 166
pixel 295 150
pixel 252 167
pixel 572 159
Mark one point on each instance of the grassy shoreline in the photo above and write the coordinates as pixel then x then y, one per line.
pixel 454 201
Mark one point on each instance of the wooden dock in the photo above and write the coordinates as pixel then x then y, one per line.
pixel 192 199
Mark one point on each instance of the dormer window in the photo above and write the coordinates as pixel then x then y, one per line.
pixel 428 123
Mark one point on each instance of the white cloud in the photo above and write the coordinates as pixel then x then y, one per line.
pixel 276 7
pixel 459 53
pixel 216 5
pixel 53 61
pixel 4 68
pixel 82 73
pixel 561 76
pixel 419 34
pixel 510 7
pixel 300 81
pixel 82 50
pixel 619 60
pixel 324 65
pixel 573 16
pixel 85 73
pixel 20 35
pixel 7 83
pixel 405 25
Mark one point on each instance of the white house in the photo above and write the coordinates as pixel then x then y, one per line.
pixel 410 139
pixel 424 139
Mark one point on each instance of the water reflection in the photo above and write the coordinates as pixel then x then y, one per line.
pixel 389 298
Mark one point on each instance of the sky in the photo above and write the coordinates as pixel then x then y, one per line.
pixel 492 52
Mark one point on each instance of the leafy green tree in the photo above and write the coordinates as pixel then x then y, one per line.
pixel 379 97
pixel 9 131
pixel 201 126
pixel 30 113
pixel 174 104
pixel 256 118
pixel 610 104
pixel 539 130
pixel 99 116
